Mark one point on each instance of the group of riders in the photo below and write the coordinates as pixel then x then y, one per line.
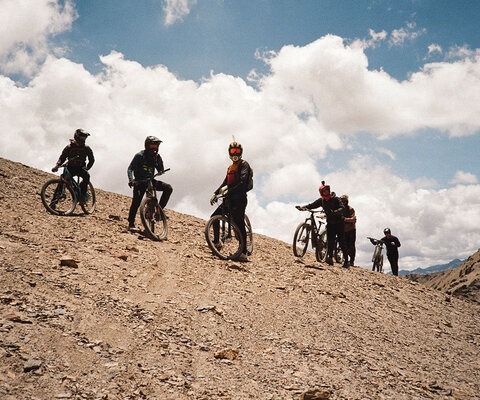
pixel 340 216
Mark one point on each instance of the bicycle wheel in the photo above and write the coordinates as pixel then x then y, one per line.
pixel 338 253
pixel 153 219
pixel 321 248
pixel 230 240
pixel 300 239
pixel 249 237
pixel 88 206
pixel 58 197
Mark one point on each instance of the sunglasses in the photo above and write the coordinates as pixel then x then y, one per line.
pixel 235 151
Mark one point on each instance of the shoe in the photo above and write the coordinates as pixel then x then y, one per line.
pixel 346 264
pixel 329 260
pixel 131 227
pixel 352 263
pixel 243 258
pixel 217 245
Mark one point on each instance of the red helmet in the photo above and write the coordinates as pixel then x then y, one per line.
pixel 323 188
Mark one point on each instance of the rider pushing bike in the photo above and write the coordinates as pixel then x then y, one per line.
pixel 142 167
pixel 235 186
pixel 77 153
pixel 333 208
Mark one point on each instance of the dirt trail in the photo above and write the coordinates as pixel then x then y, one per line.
pixel 136 319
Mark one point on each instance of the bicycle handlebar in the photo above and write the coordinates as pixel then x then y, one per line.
pixel 138 181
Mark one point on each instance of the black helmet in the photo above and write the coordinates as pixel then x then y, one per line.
pixel 344 198
pixel 235 151
pixel 151 140
pixel 386 230
pixel 80 136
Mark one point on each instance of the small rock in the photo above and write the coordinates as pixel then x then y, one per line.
pixel 32 365
pixel 227 354
pixel 68 262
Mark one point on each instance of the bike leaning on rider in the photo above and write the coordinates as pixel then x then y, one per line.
pixel 141 168
pixel 77 153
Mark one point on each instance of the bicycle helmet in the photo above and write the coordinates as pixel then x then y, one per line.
pixel 344 198
pixel 235 151
pixel 323 190
pixel 149 140
pixel 80 136
pixel 386 230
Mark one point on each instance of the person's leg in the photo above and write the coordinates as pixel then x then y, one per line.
pixel 237 209
pixel 216 224
pixel 138 192
pixel 353 250
pixel 394 264
pixel 330 242
pixel 166 190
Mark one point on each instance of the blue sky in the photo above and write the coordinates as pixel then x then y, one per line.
pixel 380 98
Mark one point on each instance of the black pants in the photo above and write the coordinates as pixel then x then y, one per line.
pixel 350 238
pixel 335 232
pixel 237 211
pixel 139 191
pixel 393 260
pixel 82 173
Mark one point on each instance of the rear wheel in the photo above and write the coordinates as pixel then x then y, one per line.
pixel 301 239
pixel 230 239
pixel 88 206
pixel 249 237
pixel 321 249
pixel 58 197
pixel 153 219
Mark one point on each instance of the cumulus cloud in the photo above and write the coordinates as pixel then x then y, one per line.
pixel 25 30
pixel 309 103
pixel 462 177
pixel 434 49
pixel 176 10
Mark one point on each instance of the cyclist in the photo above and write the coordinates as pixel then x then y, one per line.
pixel 77 153
pixel 333 208
pixel 142 167
pixel 392 244
pixel 350 229
pixel 235 186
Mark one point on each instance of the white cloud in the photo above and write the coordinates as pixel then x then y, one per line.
pixel 312 99
pixel 434 49
pixel 175 10
pixel 462 177
pixel 399 36
pixel 25 30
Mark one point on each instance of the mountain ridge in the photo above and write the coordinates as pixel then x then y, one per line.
pixel 91 311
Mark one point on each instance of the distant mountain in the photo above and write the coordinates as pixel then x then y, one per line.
pixel 434 268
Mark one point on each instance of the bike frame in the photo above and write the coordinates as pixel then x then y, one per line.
pixel 317 230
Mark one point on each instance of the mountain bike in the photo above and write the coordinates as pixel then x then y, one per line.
pixel 60 196
pixel 231 242
pixel 153 218
pixel 310 232
pixel 377 257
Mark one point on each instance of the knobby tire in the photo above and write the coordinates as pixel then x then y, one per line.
pixel 321 248
pixel 58 197
pixel 249 237
pixel 89 206
pixel 301 239
pixel 230 239
pixel 153 219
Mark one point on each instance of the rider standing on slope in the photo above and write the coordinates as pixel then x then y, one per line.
pixel 236 186
pixel 392 244
pixel 142 167
pixel 350 221
pixel 333 208
pixel 77 153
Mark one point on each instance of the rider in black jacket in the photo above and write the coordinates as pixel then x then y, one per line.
pixel 333 208
pixel 77 153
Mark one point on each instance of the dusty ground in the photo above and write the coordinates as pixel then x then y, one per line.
pixel 136 319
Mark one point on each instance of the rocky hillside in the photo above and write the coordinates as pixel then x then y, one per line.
pixel 91 311
pixel 462 281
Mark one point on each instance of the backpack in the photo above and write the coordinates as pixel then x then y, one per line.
pixel 250 177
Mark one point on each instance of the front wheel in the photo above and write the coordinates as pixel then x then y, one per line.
pixel 88 205
pixel 300 239
pixel 153 219
pixel 338 253
pixel 321 248
pixel 249 237
pixel 58 197
pixel 230 240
